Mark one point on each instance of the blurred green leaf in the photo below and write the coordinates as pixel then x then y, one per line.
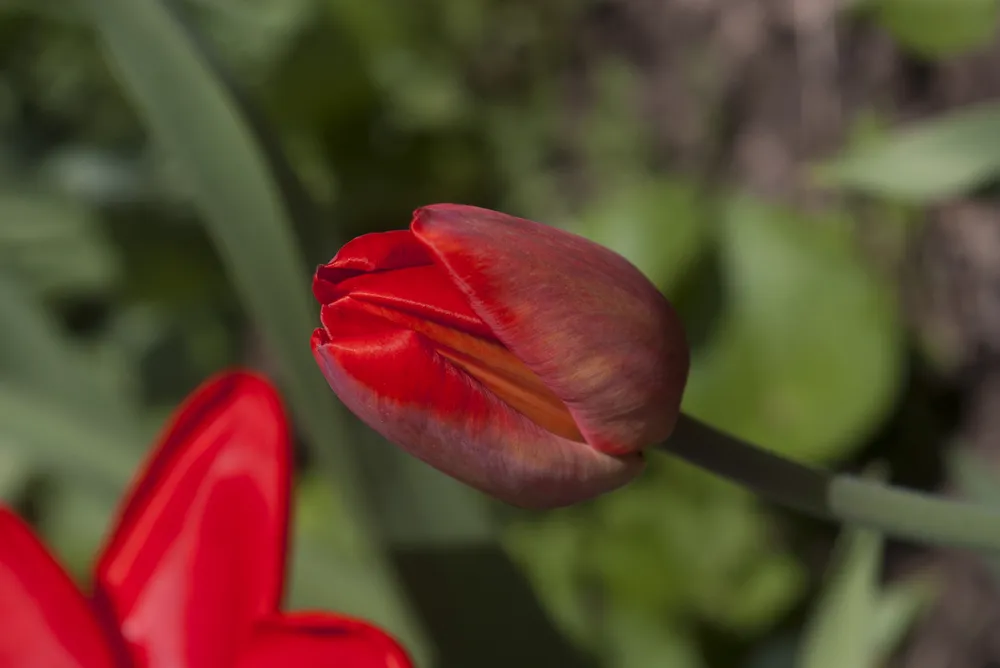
pixel 657 224
pixel 255 36
pixel 549 549
pixel 976 479
pixel 518 140
pixel 49 434
pixel 807 360
pixel 938 28
pixel 230 181
pixel 321 515
pixel 763 588
pixel 35 353
pixel 676 542
pixel 330 568
pixel 13 472
pixel 899 607
pixel 857 622
pixel 235 189
pixel 840 631
pixel 96 176
pixel 74 524
pixel 402 51
pixel 642 641
pixel 53 245
pixel 925 162
pixel 685 539
pixel 616 144
pixel 417 504
pixel 379 26
pixel 324 579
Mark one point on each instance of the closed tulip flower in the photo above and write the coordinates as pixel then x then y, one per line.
pixel 521 359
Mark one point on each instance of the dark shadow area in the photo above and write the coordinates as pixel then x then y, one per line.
pixel 480 611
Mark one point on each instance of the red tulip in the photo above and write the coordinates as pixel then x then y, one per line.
pixel 192 575
pixel 521 359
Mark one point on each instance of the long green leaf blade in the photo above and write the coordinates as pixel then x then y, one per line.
pixel 199 125
pixel 840 632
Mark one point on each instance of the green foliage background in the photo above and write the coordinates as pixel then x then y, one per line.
pixel 144 245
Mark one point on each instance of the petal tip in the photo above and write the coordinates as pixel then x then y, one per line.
pixel 432 215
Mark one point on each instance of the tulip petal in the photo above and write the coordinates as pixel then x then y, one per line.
pixel 199 552
pixel 321 641
pixel 394 271
pixel 45 622
pixel 581 317
pixel 398 383
pixel 377 252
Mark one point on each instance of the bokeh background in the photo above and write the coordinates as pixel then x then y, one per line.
pixel 812 182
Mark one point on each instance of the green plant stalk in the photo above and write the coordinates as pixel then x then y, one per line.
pixel 844 498
pixel 231 185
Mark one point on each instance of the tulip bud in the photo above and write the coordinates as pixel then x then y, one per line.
pixel 521 359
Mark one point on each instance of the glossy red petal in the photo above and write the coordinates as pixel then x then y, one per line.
pixel 584 319
pixel 396 380
pixel 44 620
pixel 482 357
pixel 380 251
pixel 199 552
pixel 321 641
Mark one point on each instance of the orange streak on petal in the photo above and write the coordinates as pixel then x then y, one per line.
pixel 495 367
pixel 513 382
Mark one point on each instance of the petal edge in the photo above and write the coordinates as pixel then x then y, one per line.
pixel 320 640
pixel 45 622
pixel 198 555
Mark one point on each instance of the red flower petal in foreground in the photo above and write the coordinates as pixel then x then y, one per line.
pixel 193 574
pixel 311 640
pixel 521 359
pixel 45 622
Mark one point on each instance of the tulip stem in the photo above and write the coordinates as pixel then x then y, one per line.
pixel 845 498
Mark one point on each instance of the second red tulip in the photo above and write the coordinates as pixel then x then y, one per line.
pixel 521 359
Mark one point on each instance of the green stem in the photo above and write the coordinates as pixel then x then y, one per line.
pixel 845 498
